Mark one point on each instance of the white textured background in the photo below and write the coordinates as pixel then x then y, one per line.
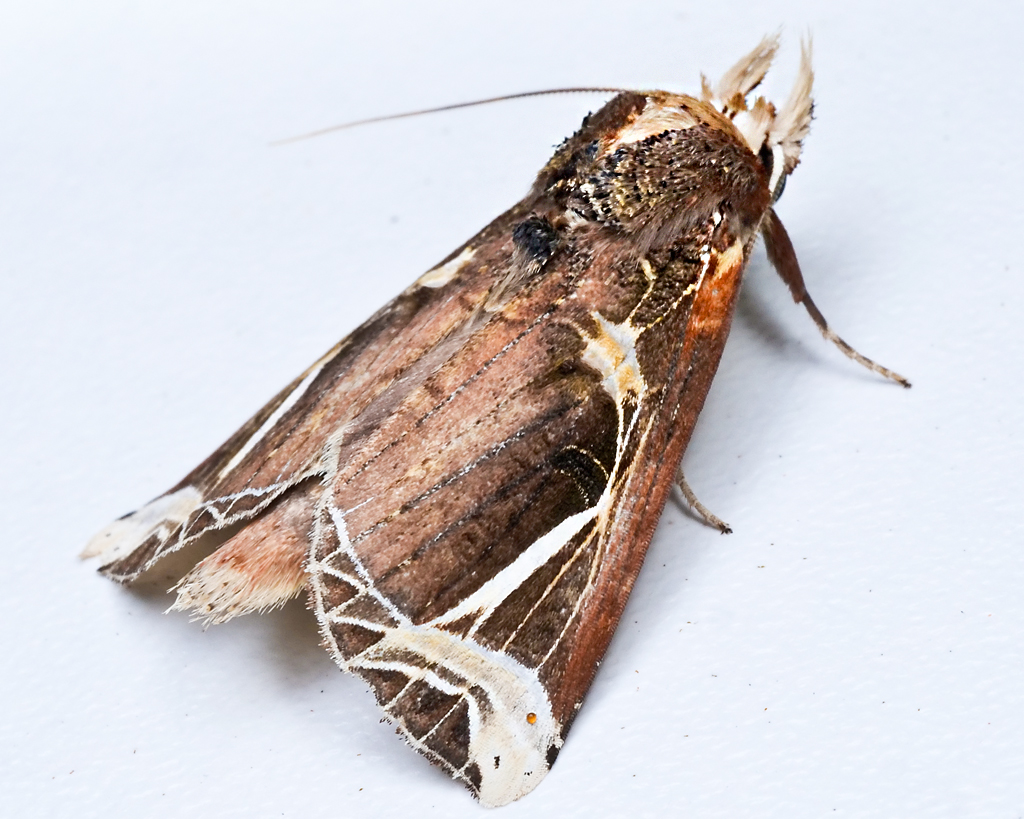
pixel 853 650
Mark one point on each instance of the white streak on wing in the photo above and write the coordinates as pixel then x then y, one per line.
pixel 441 275
pixel 160 516
pixel 492 593
pixel 276 415
pixel 552 585
pixel 364 582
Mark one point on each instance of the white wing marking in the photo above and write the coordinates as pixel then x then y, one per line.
pixel 161 517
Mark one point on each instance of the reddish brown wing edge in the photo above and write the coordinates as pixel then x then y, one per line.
pixel 651 480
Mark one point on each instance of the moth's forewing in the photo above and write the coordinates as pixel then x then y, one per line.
pixel 480 536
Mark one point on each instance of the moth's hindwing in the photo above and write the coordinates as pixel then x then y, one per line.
pixel 468 483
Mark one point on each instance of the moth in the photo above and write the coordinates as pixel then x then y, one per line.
pixel 467 484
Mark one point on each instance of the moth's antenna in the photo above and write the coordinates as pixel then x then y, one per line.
pixel 440 108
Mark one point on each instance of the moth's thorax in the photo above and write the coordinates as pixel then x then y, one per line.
pixel 655 165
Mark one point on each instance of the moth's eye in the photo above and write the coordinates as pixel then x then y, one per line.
pixel 767 159
pixel 531 718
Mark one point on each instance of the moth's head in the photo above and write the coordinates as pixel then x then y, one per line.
pixel 775 135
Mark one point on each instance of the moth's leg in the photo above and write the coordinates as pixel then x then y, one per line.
pixel 700 508
pixel 783 259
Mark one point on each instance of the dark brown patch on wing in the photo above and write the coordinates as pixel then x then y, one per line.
pixel 450 739
pixel 423 707
pixel 371 610
pixel 353 639
pixel 386 684
pixel 338 593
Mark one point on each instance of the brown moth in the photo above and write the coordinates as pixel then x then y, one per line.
pixel 467 484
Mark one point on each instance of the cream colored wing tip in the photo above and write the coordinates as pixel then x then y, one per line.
pixel 113 541
pixel 122 537
pixel 97 544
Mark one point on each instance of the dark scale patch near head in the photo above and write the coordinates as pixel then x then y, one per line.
pixel 767 159
pixel 535 240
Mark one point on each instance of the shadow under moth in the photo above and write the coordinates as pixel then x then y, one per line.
pixel 467 484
